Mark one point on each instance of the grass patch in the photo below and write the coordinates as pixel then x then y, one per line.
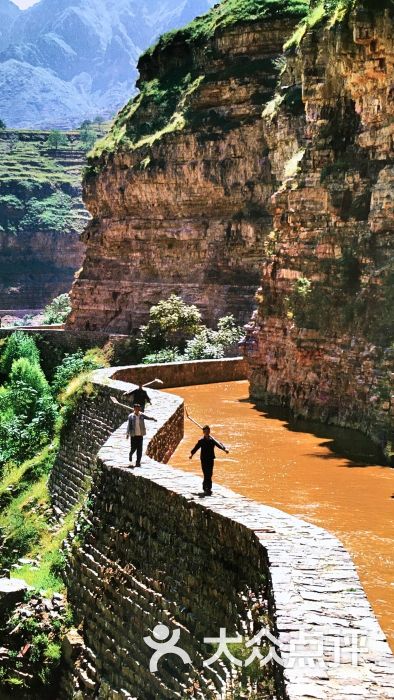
pixel 292 165
pixel 47 577
pixel 335 11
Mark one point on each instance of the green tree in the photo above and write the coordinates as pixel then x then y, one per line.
pixel 58 310
pixel 171 323
pixel 27 384
pixel 53 213
pixel 210 344
pixel 28 412
pixel 88 138
pixel 56 139
pixel 19 345
pixel 2 124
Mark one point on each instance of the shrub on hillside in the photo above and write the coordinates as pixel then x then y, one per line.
pixel 27 412
pixel 58 310
pixel 19 345
pixel 74 364
pixel 171 323
pixel 54 213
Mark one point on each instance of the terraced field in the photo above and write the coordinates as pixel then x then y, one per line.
pixel 41 215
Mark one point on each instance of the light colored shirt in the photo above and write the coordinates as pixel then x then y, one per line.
pixel 137 425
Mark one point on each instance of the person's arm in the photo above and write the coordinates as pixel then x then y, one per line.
pixel 195 448
pixel 145 417
pixel 147 399
pixel 220 446
pixel 128 426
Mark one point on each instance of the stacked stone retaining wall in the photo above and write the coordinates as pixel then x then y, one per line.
pixel 150 550
pixel 96 417
pixel 175 374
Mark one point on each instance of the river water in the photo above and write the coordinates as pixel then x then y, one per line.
pixel 325 475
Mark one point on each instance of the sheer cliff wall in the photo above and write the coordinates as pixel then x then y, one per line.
pixel 321 341
pixel 148 550
pixel 179 190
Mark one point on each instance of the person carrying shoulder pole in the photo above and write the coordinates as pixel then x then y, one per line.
pixel 136 430
pixel 207 446
pixel 139 396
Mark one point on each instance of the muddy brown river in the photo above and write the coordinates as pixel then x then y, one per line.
pixel 325 475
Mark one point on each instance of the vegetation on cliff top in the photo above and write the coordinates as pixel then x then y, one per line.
pixel 40 179
pixel 331 12
pixel 227 14
pixel 166 88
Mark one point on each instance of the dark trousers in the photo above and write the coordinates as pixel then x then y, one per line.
pixel 136 444
pixel 207 468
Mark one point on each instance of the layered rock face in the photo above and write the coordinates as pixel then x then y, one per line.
pixel 179 192
pixel 41 218
pixel 322 339
pixel 210 181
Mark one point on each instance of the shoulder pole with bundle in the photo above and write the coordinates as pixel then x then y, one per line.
pixel 124 405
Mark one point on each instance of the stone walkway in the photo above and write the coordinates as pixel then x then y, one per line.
pixel 343 654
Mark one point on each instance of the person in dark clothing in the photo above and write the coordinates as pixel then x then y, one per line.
pixel 139 396
pixel 207 446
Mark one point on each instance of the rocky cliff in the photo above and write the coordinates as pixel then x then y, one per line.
pixel 322 339
pixel 179 190
pixel 63 62
pixel 41 218
pixel 238 163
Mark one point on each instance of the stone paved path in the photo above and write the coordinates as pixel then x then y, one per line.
pixel 315 585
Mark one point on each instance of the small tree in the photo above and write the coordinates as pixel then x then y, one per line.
pixel 88 138
pixel 2 124
pixel 58 310
pixel 27 386
pixel 19 345
pixel 28 412
pixel 171 323
pixel 13 142
pixel 210 344
pixel 56 139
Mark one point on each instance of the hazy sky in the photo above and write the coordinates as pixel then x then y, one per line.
pixel 24 3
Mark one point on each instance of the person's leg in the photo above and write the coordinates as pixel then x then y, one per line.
pixel 139 440
pixel 207 468
pixel 209 477
pixel 133 447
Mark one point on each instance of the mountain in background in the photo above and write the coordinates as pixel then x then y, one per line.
pixel 63 61
pixel 8 14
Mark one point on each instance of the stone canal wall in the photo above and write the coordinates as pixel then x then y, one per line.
pixel 96 417
pixel 148 549
pixel 175 374
pixel 94 420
